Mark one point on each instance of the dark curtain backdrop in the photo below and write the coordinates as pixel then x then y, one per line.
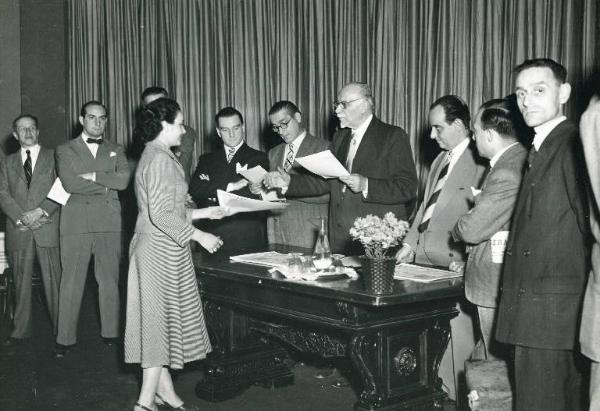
pixel 251 53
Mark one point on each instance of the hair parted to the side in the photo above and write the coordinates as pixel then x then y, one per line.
pixel 154 90
pixel 559 71
pixel 228 112
pixel 454 108
pixel 286 105
pixel 21 116
pixel 148 119
pixel 500 120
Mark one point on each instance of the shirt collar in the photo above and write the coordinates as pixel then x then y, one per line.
pixel 360 130
pixel 297 141
pixel 236 148
pixel 33 150
pixel 497 156
pixel 542 131
pixel 460 148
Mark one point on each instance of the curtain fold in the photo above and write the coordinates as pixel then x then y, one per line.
pixel 252 53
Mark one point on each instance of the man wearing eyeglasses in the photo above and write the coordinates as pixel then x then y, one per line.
pixel 93 170
pixel 31 223
pixel 379 158
pixel 298 224
pixel 219 171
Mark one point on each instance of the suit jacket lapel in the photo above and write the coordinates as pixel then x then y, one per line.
pixel 41 165
pixel 342 151
pixel 82 149
pixel 17 165
pixel 367 143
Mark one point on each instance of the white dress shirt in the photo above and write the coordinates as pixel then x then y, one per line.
pixel 34 152
pixel 542 131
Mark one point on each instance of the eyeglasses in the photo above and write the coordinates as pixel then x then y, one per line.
pixel 344 104
pixel 24 130
pixel 282 126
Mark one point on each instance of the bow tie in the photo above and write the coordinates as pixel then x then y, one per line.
pixel 94 141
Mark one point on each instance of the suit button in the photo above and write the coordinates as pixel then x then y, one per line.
pixel 526 253
pixel 451 255
pixel 508 251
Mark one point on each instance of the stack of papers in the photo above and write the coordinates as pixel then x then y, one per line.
pixel 422 274
pixel 323 164
pixel 267 259
pixel 314 275
pixel 240 204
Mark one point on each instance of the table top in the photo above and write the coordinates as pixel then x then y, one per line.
pixel 221 268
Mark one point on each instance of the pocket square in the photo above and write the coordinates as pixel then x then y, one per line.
pixel 475 191
pixel 112 154
pixel 239 167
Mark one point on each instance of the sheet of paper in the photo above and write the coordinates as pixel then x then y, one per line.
pixel 241 204
pixel 254 175
pixel 58 193
pixel 267 259
pixel 498 246
pixel 422 274
pixel 270 196
pixel 323 164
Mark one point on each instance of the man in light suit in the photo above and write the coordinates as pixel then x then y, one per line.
pixel 485 227
pixel 186 152
pixel 218 171
pixel 589 337
pixel 93 170
pixel 447 197
pixel 378 155
pixel 31 223
pixel 297 224
pixel 546 264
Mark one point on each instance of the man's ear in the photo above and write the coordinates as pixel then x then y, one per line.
pixel 564 92
pixel 298 117
pixel 219 133
pixel 81 120
pixel 15 135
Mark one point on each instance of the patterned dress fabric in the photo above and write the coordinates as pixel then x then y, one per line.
pixel 165 323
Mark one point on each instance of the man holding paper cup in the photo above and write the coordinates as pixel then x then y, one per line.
pixel 220 170
pixel 31 223
pixel 380 177
pixel 485 227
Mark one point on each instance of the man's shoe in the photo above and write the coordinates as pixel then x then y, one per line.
pixel 61 350
pixel 111 342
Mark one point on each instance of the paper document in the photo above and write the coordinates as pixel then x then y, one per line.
pixel 267 259
pixel 58 193
pixel 241 204
pixel 423 274
pixel 324 164
pixel 254 175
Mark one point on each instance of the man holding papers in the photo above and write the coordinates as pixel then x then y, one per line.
pixel 379 158
pixel 219 170
pixel 298 224
pixel 31 222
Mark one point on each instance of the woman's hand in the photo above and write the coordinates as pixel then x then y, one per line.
pixel 212 213
pixel 208 241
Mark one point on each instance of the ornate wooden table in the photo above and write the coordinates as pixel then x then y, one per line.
pixel 394 342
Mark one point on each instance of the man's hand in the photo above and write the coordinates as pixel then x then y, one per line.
pixel 89 176
pixel 405 255
pixel 189 203
pixel 31 216
pixel 255 188
pixel 277 179
pixel 355 182
pixel 457 266
pixel 238 185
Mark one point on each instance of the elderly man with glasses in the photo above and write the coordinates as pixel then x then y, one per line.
pixel 379 158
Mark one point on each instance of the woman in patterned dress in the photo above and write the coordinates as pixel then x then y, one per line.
pixel 165 325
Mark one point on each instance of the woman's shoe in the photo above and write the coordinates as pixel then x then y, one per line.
pixel 143 407
pixel 165 405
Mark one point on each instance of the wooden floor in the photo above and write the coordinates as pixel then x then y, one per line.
pixel 94 377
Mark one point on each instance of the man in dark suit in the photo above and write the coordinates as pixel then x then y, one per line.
pixel 485 227
pixel 546 262
pixel 93 170
pixel 447 197
pixel 186 152
pixel 218 171
pixel 31 222
pixel 378 155
pixel 298 224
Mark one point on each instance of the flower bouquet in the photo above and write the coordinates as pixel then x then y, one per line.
pixel 377 235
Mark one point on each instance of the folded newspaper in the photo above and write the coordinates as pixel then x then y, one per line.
pixel 423 274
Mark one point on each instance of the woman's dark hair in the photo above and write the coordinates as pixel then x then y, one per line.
pixel 148 118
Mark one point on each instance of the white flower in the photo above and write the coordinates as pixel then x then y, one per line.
pixel 378 234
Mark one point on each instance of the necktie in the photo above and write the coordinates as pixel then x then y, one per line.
pixel 230 154
pixel 351 152
pixel 94 141
pixel 442 177
pixel 28 168
pixel 289 158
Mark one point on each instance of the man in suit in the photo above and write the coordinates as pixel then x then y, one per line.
pixel 31 223
pixel 186 152
pixel 92 169
pixel 218 171
pixel 589 337
pixel 298 224
pixel 447 197
pixel 546 262
pixel 485 227
pixel 378 155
